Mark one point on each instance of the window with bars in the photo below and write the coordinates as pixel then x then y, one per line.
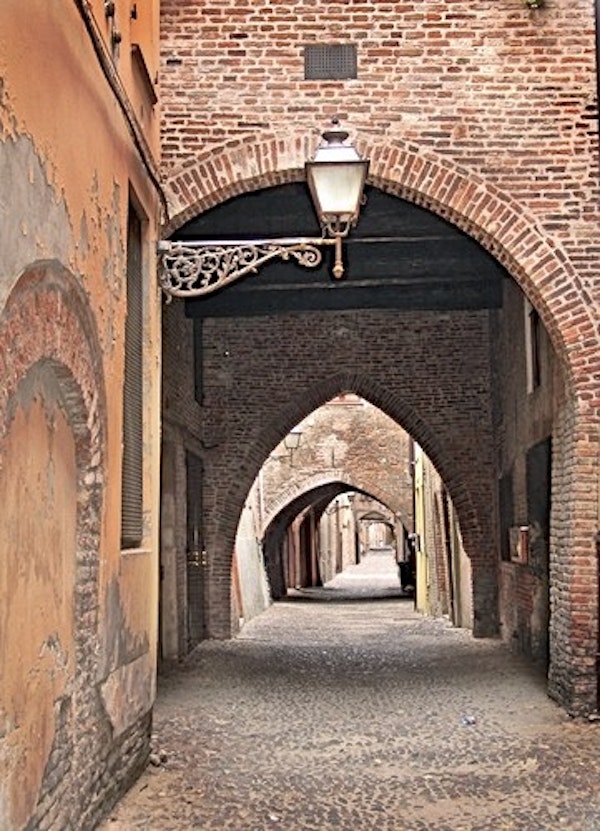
pixel 132 464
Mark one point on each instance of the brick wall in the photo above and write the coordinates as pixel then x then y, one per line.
pixel 485 114
pixel 182 432
pixel 509 91
pixel 526 410
pixel 349 441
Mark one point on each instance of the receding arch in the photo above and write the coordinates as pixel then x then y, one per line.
pixel 403 414
pixel 471 508
pixel 344 480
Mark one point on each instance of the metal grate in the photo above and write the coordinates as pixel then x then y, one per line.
pixel 330 62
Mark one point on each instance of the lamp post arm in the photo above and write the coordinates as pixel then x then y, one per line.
pixel 196 268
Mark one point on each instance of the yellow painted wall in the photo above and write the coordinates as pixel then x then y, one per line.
pixel 422 562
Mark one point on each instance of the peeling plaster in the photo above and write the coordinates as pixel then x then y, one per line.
pixel 122 645
pixel 128 693
pixel 36 225
pixel 37 659
pixel 25 203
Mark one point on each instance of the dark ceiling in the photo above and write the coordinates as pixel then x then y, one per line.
pixel 399 256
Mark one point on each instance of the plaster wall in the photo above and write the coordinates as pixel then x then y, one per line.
pixel 68 163
pixel 444 569
pixel 337 538
pixel 462 577
pixel 37 660
pixel 254 589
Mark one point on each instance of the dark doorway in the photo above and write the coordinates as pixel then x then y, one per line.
pixel 196 559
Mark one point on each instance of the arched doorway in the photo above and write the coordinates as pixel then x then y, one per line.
pixel 52 404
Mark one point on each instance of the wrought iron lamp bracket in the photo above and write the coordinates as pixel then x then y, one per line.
pixel 194 269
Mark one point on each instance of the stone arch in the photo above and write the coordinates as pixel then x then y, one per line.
pixel 310 483
pixel 50 351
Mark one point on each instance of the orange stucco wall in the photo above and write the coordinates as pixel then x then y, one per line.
pixel 36 583
pixel 69 164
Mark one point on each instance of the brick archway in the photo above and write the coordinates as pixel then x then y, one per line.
pixel 50 361
pixel 491 217
pixel 550 280
pixel 311 483
pixel 47 319
pixel 394 406
pixel 471 501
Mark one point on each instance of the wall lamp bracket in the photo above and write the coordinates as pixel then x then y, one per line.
pixel 336 177
pixel 196 268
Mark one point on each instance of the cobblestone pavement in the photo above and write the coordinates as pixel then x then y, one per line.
pixel 336 711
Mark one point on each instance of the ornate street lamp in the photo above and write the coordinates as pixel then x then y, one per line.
pixel 292 442
pixel 336 178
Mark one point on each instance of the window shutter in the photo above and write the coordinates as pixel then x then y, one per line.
pixel 132 471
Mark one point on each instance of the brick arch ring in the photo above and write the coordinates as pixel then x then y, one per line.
pixel 401 412
pixel 47 323
pixel 311 483
pixel 493 218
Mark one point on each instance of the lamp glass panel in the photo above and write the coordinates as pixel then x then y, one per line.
pixel 292 440
pixel 337 187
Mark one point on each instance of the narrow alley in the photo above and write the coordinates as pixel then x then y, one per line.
pixel 342 708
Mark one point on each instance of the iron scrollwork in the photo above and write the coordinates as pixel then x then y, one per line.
pixel 194 269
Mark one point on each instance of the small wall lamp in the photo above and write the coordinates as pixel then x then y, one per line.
pixel 336 177
pixel 292 442
pixel 293 439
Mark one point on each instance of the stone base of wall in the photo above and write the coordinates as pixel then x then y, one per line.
pixel 75 796
pixel 124 762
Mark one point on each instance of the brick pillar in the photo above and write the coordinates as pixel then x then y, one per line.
pixel 574 578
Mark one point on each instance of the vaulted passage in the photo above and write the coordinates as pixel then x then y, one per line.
pixel 427 328
pixel 332 712
pixel 152 498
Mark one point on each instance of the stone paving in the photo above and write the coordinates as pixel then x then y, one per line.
pixel 342 708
